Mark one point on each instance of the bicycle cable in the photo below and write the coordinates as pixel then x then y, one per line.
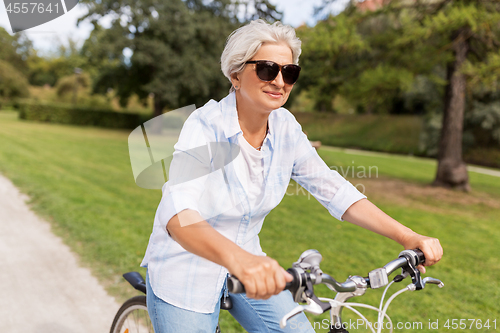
pixel 396 294
pixel 382 299
pixel 351 306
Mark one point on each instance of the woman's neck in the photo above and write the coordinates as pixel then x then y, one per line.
pixel 253 124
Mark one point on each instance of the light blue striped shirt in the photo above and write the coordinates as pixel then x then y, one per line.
pixel 192 282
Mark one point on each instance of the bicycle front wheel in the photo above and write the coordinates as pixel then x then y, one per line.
pixel 133 317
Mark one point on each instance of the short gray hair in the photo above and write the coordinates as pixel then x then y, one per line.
pixel 244 42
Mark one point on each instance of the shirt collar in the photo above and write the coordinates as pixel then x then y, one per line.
pixel 230 119
pixel 270 131
pixel 230 116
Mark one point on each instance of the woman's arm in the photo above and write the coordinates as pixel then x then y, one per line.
pixel 261 275
pixel 365 214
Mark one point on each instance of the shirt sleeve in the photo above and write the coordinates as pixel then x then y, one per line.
pixel 188 169
pixel 333 191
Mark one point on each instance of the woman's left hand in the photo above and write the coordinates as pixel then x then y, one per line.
pixel 431 248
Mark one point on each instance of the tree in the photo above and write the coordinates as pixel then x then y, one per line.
pixel 169 48
pixel 331 54
pixel 418 37
pixel 16 50
pixel 13 84
pixel 468 31
pixel 61 62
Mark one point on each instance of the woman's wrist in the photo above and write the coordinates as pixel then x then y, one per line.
pixel 405 236
pixel 234 258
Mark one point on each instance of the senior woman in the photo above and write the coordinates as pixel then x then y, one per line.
pixel 194 244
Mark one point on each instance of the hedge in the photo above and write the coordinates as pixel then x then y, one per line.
pixel 63 114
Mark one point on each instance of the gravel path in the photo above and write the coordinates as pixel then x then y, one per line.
pixel 43 288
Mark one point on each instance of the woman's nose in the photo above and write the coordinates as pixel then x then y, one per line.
pixel 278 81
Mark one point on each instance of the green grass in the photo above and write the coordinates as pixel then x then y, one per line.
pixel 395 134
pixel 360 164
pixel 80 180
pixel 399 134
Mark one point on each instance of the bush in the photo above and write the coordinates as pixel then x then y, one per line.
pixel 66 85
pixel 481 129
pixel 481 135
pixel 484 122
pixel 431 132
pixel 63 114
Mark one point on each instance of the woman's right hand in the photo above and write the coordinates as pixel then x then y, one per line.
pixel 262 276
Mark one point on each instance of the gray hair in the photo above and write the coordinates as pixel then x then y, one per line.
pixel 245 42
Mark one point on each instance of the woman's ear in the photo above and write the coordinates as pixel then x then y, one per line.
pixel 235 80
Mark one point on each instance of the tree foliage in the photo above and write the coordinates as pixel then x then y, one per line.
pixel 404 36
pixel 13 83
pixel 59 63
pixel 15 50
pixel 169 48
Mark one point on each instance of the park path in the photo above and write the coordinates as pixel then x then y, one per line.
pixel 470 168
pixel 42 287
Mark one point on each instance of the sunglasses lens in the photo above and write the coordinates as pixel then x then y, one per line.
pixel 290 73
pixel 267 71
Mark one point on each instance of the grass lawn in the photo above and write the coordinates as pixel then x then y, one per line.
pixel 396 134
pixel 80 180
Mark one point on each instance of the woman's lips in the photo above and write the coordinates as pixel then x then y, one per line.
pixel 274 94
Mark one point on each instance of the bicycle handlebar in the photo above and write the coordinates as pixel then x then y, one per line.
pixel 306 273
pixel 408 260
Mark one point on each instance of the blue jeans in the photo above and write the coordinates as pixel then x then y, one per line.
pixel 260 316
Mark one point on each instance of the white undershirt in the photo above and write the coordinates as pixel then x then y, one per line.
pixel 253 172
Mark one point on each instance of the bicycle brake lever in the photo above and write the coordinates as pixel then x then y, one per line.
pixel 311 307
pixel 432 280
pixel 298 309
pixel 314 305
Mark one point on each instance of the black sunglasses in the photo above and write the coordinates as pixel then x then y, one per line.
pixel 268 70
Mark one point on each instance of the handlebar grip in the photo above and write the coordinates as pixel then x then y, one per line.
pixel 420 256
pixel 234 286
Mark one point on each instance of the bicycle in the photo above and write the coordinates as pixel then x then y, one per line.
pixel 306 273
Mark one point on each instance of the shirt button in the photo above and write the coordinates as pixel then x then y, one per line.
pixel 239 242
pixel 245 218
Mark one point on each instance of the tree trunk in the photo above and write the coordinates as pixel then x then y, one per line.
pixel 158 106
pixel 452 170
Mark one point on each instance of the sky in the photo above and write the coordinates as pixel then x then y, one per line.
pixel 46 36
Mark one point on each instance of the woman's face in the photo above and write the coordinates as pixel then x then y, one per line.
pixel 261 96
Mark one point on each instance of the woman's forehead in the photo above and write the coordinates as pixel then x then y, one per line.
pixel 279 53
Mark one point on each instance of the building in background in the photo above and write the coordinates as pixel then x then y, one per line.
pixel 371 5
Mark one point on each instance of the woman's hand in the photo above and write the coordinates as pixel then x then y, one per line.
pixel 431 248
pixel 262 276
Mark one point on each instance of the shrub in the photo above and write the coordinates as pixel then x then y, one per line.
pixel 63 114
pixel 66 85
pixel 484 123
pixel 481 129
